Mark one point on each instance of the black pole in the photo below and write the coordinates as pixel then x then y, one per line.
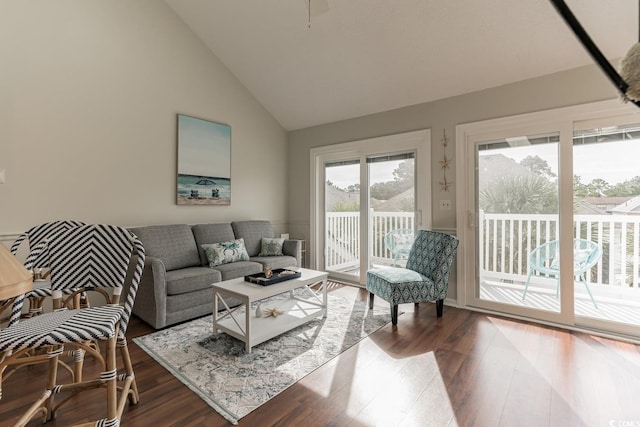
pixel 591 47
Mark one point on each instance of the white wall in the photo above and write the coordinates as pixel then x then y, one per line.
pixel 89 93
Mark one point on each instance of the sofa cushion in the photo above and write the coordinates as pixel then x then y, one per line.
pixel 252 232
pixel 225 252
pixel 238 269
pixel 211 233
pixel 271 247
pixel 275 261
pixel 173 244
pixel 191 279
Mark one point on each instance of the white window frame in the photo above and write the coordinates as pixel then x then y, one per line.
pixel 417 141
pixel 563 120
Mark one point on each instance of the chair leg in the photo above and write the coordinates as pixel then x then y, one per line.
pixel 371 300
pixel 111 377
pixel 526 286
pixel 130 387
pixel 394 314
pixel 584 280
pixel 44 404
pixel 439 307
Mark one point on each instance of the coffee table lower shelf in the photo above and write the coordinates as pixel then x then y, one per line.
pixel 296 312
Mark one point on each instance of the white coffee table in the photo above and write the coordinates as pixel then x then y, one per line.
pixel 254 330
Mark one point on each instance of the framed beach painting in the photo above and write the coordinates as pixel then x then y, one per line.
pixel 204 162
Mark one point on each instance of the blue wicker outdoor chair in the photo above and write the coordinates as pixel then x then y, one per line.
pixel 425 278
pixel 92 257
pixel 545 259
pixel 399 242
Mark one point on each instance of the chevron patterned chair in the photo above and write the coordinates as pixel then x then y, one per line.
pixel 425 278
pixel 90 256
pixel 34 236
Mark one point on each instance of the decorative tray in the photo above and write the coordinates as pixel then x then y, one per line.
pixel 278 275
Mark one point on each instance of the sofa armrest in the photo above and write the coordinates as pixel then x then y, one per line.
pixel 151 300
pixel 293 248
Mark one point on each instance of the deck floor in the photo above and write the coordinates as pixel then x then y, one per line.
pixel 623 310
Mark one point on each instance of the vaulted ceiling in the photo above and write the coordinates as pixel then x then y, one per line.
pixel 358 57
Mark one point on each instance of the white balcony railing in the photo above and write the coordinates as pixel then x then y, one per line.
pixel 505 241
pixel 343 237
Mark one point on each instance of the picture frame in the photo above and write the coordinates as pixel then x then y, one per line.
pixel 204 162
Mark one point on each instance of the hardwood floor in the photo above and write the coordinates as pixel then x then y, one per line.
pixel 463 369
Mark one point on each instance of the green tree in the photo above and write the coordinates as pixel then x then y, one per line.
pixel 344 206
pixel 630 187
pixel 403 179
pixel 597 188
pixel 353 188
pixel 579 189
pixel 538 165
pixel 405 172
pixel 384 190
pixel 520 194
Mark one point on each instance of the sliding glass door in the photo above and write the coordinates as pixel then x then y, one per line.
pixel 389 210
pixel 549 216
pixel 606 198
pixel 517 211
pixel 342 218
pixel 366 192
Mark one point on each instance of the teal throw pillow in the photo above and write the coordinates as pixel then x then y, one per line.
pixel 225 252
pixel 271 247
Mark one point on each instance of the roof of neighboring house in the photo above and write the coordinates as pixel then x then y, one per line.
pixel 607 200
pixel 584 207
pixel 631 205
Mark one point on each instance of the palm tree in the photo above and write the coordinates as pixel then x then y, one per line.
pixel 520 194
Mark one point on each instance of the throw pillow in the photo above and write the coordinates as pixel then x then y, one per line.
pixel 271 247
pixel 225 252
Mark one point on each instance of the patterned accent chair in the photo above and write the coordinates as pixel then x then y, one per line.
pixel 91 256
pixel 426 277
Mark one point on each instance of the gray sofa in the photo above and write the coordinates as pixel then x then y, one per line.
pixel 176 281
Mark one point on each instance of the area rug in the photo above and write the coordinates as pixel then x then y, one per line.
pixel 235 383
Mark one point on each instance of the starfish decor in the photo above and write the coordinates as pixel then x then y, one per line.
pixel 444 184
pixel 444 163
pixel 272 312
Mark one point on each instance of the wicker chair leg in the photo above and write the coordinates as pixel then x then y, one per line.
pixel 112 387
pixel 131 387
pixel 44 404
pixel 78 356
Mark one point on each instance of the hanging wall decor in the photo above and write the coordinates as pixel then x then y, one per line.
pixel 444 163
pixel 204 162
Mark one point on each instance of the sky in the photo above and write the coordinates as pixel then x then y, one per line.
pixel 344 176
pixel 204 148
pixel 614 162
